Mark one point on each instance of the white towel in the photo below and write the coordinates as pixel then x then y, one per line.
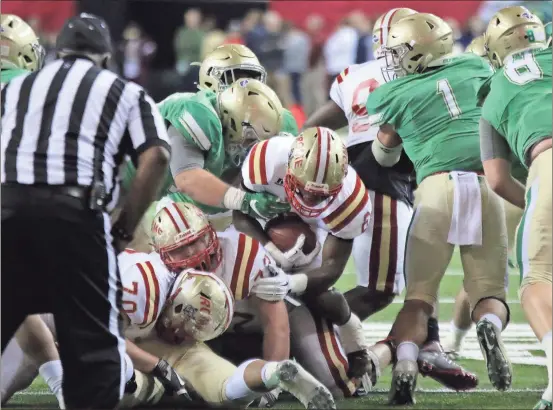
pixel 466 221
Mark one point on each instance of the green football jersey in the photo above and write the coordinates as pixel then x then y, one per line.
pixel 518 104
pixel 289 123
pixel 435 114
pixel 194 115
pixel 6 75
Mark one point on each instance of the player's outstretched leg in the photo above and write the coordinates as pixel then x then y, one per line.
pixel 460 325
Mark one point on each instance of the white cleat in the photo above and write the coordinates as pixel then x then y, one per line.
pixel 303 386
pixel 499 367
pixel 404 382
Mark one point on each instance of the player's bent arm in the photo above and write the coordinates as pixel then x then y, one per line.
pixel 387 146
pixel 330 115
pixel 276 329
pixel 142 360
pixel 336 252
pixel 202 186
pixel 250 226
pixel 494 152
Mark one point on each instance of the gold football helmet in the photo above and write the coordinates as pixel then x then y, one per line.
pixel 19 44
pixel 250 112
pixel 414 43
pixel 185 239
pixel 382 26
pixel 227 64
pixel 317 167
pixel 200 307
pixel 476 46
pixel 513 29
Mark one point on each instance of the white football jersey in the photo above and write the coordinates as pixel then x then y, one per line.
pixel 244 260
pixel 350 91
pixel 346 217
pixel 146 285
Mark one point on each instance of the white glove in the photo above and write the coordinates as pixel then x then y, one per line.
pixel 273 286
pixel 294 257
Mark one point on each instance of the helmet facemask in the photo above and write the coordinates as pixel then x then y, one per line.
pixel 303 198
pixel 201 251
pixel 228 75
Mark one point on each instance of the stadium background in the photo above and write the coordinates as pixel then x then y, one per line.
pixel 293 40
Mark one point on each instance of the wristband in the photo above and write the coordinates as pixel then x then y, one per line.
pixel 233 199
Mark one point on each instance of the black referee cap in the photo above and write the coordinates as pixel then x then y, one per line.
pixel 85 33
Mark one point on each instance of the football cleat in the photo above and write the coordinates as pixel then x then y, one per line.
pixel 543 405
pixel 303 386
pixel 404 382
pixel 434 362
pixel 499 367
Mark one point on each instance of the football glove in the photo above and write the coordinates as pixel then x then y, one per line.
pixel 263 205
pixel 171 381
pixel 272 286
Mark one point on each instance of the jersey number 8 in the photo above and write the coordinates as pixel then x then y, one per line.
pixel 523 69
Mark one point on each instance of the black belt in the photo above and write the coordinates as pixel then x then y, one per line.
pixel 17 193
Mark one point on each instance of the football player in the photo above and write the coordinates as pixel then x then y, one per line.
pixel 211 131
pixel 21 54
pixel 517 119
pixel 234 257
pixel 379 252
pixel 312 173
pixel 238 260
pixel 21 51
pixel 461 322
pixel 430 111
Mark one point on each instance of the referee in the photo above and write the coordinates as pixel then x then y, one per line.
pixel 65 131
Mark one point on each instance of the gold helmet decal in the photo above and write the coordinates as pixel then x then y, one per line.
pixel 199 308
pixel 317 167
pixel 513 29
pixel 476 46
pixel 382 26
pixel 19 46
pixel 251 112
pixel 227 64
pixel 184 238
pixel 414 43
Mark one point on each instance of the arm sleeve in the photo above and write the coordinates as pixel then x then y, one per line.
pixel 492 143
pixel 186 155
pixel 146 126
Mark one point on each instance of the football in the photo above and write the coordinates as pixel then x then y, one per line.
pixel 285 229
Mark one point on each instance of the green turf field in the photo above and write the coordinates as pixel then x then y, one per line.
pixel 530 374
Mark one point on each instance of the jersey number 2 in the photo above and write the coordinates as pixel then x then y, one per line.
pixel 523 69
pixel 444 88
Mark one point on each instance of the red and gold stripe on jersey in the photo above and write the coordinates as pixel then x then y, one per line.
pixel 243 265
pixel 151 287
pixel 334 357
pixel 257 167
pixel 342 75
pixel 349 209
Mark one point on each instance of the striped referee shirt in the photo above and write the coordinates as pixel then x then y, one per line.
pixel 73 122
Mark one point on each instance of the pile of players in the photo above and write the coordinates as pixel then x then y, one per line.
pixel 216 312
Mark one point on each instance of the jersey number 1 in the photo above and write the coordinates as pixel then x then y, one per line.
pixel 444 88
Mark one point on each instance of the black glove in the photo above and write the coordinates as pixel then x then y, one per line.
pixel 172 382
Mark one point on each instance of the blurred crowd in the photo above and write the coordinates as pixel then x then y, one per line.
pixel 301 61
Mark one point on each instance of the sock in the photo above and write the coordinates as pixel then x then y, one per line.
pixel 433 330
pixel 52 373
pixel 269 376
pixel 494 319
pixel 547 348
pixel 236 388
pixel 129 368
pixel 458 334
pixel 407 351
pixel 352 335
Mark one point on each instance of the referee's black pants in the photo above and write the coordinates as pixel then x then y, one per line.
pixel 57 257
